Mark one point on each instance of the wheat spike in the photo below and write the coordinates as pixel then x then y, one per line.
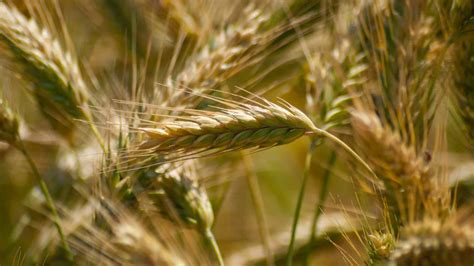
pixel 432 242
pixel 180 186
pixel 123 237
pixel 234 48
pixel 329 78
pixel 405 176
pixel 246 126
pixel 386 151
pixel 54 74
pixel 380 246
pixel 173 191
pixel 462 21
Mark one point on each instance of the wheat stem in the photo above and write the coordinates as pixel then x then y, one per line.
pixel 322 198
pixel 215 248
pixel 47 195
pixel 299 202
pixel 259 209
pixel 95 131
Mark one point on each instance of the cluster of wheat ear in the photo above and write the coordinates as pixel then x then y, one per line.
pixel 168 102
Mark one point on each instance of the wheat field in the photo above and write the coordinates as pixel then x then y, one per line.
pixel 237 132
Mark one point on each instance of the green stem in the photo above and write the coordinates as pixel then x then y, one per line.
pixel 322 198
pixel 96 133
pixel 299 203
pixel 258 205
pixel 215 248
pixel 47 195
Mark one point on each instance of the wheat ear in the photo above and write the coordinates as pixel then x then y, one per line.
pixel 432 242
pixel 234 49
pixel 55 77
pixel 229 129
pixel 462 22
pixel 405 176
pixel 177 190
pixel 123 238
pixel 236 126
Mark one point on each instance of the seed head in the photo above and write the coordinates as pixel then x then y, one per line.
pixel 187 198
pixel 55 77
pixel 433 242
pixel 247 126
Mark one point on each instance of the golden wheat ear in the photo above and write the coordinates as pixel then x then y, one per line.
pixel 228 130
pixel 53 73
pixel 404 176
pixel 433 242
pixel 232 126
pixel 123 236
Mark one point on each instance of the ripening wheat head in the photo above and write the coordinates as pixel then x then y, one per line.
pixel 54 74
pixel 235 48
pixel 104 231
pixel 232 127
pixel 387 152
pixel 404 174
pixel 437 242
pixel 188 198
